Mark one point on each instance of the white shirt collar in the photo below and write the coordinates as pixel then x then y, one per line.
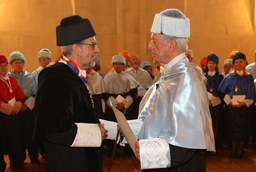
pixel 211 73
pixel 80 73
pixel 176 59
pixel 241 73
pixel 135 70
pixel 118 73
pixel 5 77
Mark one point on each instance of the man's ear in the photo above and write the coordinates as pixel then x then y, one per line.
pixel 172 44
pixel 76 49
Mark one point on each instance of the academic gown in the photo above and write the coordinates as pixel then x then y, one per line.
pixel 212 86
pixel 179 99
pixel 28 83
pixel 145 81
pixel 120 84
pixel 62 100
pixel 238 118
pixel 10 131
pixel 98 88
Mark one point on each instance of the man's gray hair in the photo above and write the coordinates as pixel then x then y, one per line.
pixel 66 50
pixel 182 43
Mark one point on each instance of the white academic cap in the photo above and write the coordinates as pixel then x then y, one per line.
pixel 227 61
pixel 16 55
pixel 171 26
pixel 44 53
pixel 145 64
pixel 118 58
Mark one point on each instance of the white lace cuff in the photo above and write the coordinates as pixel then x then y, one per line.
pixel 88 135
pixel 248 102
pixel 227 99
pixel 154 153
pixel 111 127
pixel 135 125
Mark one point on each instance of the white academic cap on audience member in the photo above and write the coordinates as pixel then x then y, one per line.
pixel 44 53
pixel 171 26
pixel 145 64
pixel 190 52
pixel 118 58
pixel 16 55
pixel 97 61
pixel 227 61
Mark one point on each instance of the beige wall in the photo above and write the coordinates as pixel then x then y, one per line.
pixel 216 26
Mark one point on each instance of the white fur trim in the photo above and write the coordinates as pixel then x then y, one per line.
pixel 88 135
pixel 154 153
pixel 171 26
pixel 44 54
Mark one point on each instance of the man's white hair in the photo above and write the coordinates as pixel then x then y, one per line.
pixel 66 50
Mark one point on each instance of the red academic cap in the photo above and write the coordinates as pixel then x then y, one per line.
pixel 3 59
pixel 203 61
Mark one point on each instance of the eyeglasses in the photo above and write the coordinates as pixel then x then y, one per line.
pixel 93 44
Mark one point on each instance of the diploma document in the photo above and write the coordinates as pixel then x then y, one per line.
pixel 126 129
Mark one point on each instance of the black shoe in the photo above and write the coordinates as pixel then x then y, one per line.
pixel 36 162
pixel 232 155
pixel 240 156
pixel 19 168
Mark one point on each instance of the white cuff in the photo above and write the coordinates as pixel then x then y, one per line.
pixel 88 135
pixel 111 127
pixel 154 153
pixel 128 101
pixel 215 101
pixel 248 102
pixel 227 99
pixel 113 100
pixel 135 125
pixel 103 105
pixel 30 102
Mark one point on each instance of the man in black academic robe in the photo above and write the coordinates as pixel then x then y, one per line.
pixel 65 120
